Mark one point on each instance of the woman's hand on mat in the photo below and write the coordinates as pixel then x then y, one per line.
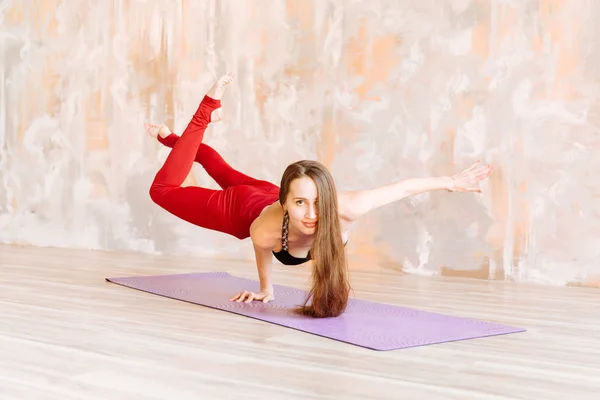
pixel 468 179
pixel 248 297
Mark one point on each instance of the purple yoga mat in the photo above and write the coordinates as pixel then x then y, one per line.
pixel 372 325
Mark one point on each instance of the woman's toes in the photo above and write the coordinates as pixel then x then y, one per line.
pixel 154 130
pixel 151 129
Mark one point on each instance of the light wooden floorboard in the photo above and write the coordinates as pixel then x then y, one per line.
pixel 66 333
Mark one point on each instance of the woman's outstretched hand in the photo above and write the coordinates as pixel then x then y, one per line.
pixel 468 179
pixel 248 297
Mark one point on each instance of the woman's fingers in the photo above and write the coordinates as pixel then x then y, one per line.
pixel 484 173
pixel 265 298
pixel 268 298
pixel 469 170
pixel 467 179
pixel 239 297
pixel 481 172
pixel 476 168
pixel 242 296
pixel 249 297
pixel 474 165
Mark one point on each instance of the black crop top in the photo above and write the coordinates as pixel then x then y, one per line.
pixel 286 258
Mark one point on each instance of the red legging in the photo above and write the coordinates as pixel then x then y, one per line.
pixel 230 210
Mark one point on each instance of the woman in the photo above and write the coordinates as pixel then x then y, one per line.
pixel 302 220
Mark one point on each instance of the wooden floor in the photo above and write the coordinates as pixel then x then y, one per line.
pixel 66 333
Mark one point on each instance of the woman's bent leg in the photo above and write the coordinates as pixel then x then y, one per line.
pixel 206 208
pixel 179 162
pixel 214 164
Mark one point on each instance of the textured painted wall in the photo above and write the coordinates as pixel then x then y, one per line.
pixel 378 90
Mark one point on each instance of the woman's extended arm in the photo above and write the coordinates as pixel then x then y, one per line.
pixel 263 241
pixel 354 205
pixel 264 263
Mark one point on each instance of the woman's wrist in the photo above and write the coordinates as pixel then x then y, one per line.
pixel 450 184
pixel 267 289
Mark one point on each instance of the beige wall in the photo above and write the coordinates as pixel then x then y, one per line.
pixel 411 88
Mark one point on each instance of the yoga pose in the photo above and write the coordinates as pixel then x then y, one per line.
pixel 304 220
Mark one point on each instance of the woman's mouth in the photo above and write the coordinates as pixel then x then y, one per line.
pixel 310 224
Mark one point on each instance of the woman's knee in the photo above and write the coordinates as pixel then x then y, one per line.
pixel 157 193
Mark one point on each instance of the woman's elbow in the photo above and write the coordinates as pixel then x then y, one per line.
pixel 355 205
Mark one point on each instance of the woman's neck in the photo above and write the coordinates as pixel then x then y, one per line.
pixel 298 238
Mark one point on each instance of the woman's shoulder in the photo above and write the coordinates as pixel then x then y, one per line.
pixel 265 231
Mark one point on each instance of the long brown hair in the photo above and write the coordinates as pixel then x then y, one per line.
pixel 330 284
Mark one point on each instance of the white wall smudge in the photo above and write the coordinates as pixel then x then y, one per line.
pixel 380 91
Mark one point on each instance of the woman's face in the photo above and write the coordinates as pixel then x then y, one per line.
pixel 302 206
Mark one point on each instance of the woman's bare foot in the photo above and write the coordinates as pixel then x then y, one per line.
pixel 217 90
pixel 157 129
